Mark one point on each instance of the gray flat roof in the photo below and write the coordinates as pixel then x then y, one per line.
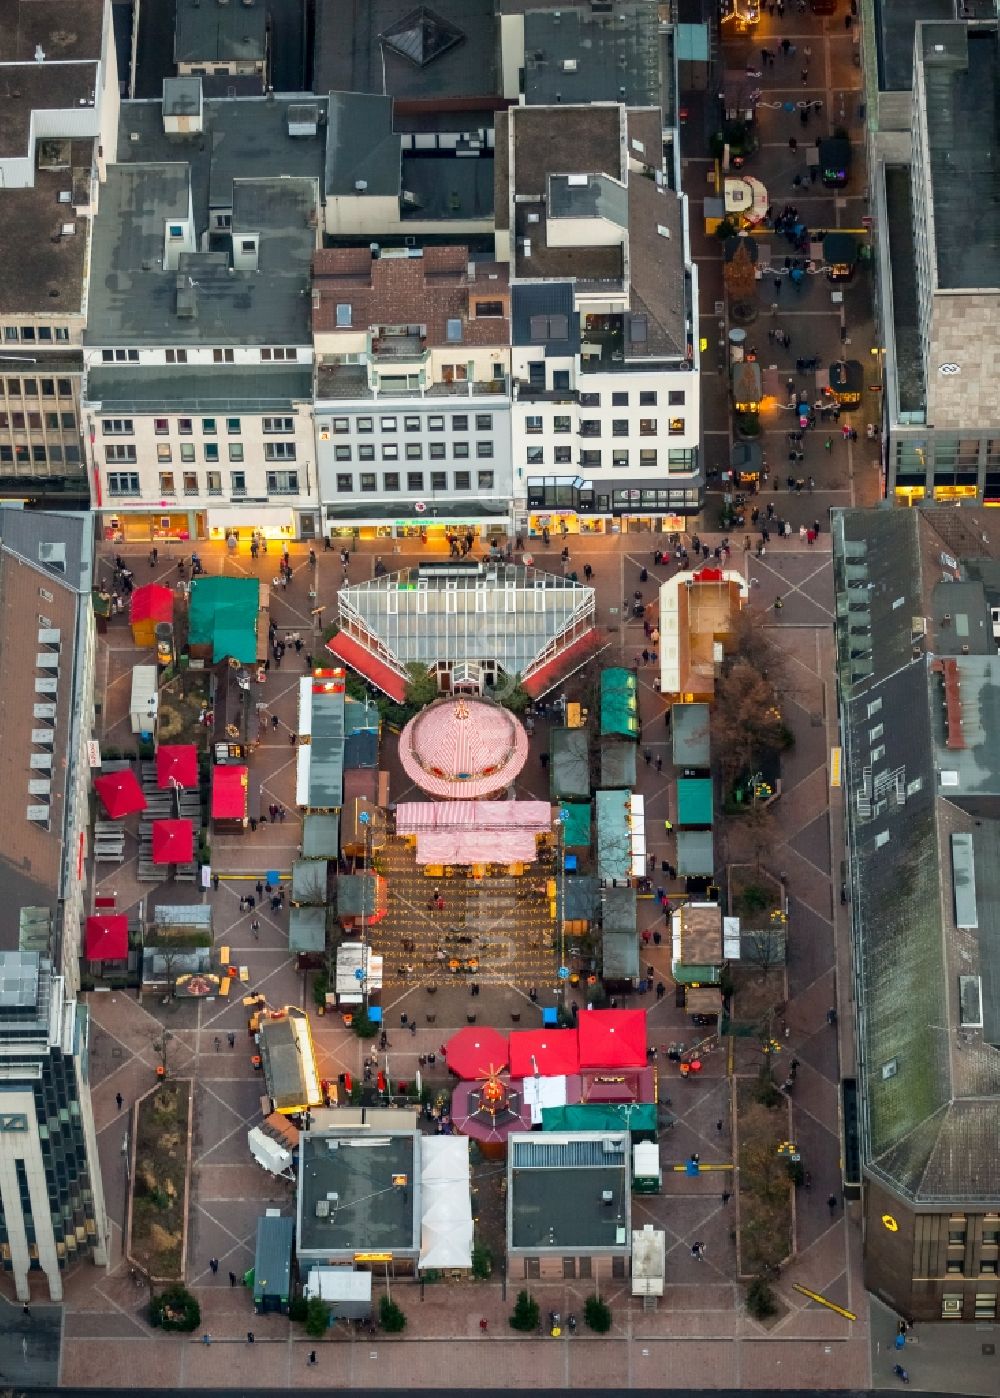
pixel 962 86
pixel 133 299
pixel 234 32
pixel 616 55
pixel 362 145
pixel 349 1175
pixel 447 188
pixel 321 836
pixel 557 1186
pixel 690 735
pixel 695 853
pixel 35 87
pixel 895 23
pixel 42 271
pixel 909 361
pixel 226 388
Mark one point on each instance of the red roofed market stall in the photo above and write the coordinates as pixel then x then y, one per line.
pixel 230 786
pixel 547 1053
pixel 477 1053
pixel 612 1039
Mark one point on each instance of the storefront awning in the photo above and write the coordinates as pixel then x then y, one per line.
pixel 368 666
pixel 561 666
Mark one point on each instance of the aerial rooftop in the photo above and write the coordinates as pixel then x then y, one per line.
pixel 573 54
pixel 568 1193
pixel 208 31
pixel 65 29
pixel 358 1190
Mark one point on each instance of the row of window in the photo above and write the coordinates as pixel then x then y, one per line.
pixel 118 452
pixel 268 355
pixel 590 427
pixel 647 398
pixel 679 460
pixel 368 481
pixel 125 426
pixel 433 422
pixel 278 483
pixel 414 451
pixel 40 453
pixel 51 388
pixel 33 421
pixel 34 334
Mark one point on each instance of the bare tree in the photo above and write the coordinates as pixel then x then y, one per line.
pixel 764 947
pixel 741 280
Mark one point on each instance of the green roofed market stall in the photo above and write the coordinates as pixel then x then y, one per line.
pixel 222 619
pixel 619 704
pixel 694 801
pixel 576 823
pixel 569 764
pixel 638 1118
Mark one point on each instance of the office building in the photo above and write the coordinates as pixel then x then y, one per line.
pixel 60 101
pixel 935 91
pixel 50 1185
pixel 606 412
pixel 918 635
pixel 198 348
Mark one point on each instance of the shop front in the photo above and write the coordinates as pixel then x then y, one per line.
pixel 847 381
pixel 646 505
pixel 281 523
pixel 417 521
pixel 145 525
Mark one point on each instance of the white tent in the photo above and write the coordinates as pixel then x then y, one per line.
pixel 267 1152
pixel 446 1219
pixel 540 1093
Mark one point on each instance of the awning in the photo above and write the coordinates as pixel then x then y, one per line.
pixel 151 603
pixel 120 793
pixel 545 1052
pixel 474 1052
pixel 106 938
pixel 368 666
pixel 704 1000
pixel 177 765
pixel 612 1039
pixel 561 666
pixel 229 792
pixel 173 841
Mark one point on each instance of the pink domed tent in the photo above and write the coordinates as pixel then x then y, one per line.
pixel 463 748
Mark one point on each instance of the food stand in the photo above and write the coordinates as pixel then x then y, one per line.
pixel 847 381
pixel 230 795
pixel 840 253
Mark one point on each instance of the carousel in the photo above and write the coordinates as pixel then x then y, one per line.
pixel 463 749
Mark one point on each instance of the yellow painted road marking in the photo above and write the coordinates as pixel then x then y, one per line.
pixel 822 1301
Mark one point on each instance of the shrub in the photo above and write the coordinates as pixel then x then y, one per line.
pixel 363 1025
pixel 317 1317
pixel 526 1313
pixel 320 986
pixel 175 1309
pixel 391 1318
pixel 754 898
pixel 597 1314
pixel 761 1300
pixel 482 1262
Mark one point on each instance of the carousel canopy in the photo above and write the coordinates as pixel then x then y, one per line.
pixel 120 793
pixel 463 748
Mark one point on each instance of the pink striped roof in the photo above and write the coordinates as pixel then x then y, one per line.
pixel 463 748
pixel 418 817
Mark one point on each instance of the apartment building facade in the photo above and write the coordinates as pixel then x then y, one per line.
pixel 412 405
pixel 61 104
pixel 198 350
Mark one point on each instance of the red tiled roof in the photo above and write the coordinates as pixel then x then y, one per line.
pixel 561 666
pixel 369 666
pixel 428 290
pixel 106 938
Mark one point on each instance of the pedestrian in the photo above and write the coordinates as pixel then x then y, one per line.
pixel 312 1356
pixel 647 754
pixel 828 444
pixel 718 1125
pixel 292 739
pixel 778 604
pixel 232 1278
pixel 805 76
pixel 793 144
pixel 661 990
pixel 218 1043
pixel 255 928
pixel 698 1252
pixel 27 1310
pixel 250 1337
pixel 659 764
pixel 274 722
pixel 120 1100
pixel 232 1040
pixel 213 1262
pixel 215 882
pixel 484 1325
pixel 206 1339
pixel 726 1196
pixel 831 1204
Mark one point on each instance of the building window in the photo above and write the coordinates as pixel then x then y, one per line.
pixel 951 1305
pixel 533 423
pixel 619 456
pixel 439 480
pixel 484 422
pixel 484 451
pixel 390 451
pixel 619 427
pixel 368 482
pixel 117 427
pixel 342 453
pixel 233 426
pixel 460 451
pixel 484 480
pixel 222 356
pixel 647 427
pixel 590 400
pixel 161 426
pixel 986 1305
pixel 677 427
pixel 680 461
pixel 676 397
pixel 590 427
pixel 562 424
pixel 562 456
pixel 10 335
pixel 414 480
pixel 364 424
pixel 187 451
pixel 483 309
pixel 185 426
pixel 31 388
pixel 38 454
pixel 208 426
pixel 435 423
pixel 48 388
pixel 591 458
pixel 123 482
pixel 166 483
pixel 237 482
pixel 647 458
pixel 279 451
pixel 437 451
pixel 366 451
pixel 619 400
pixel 177 356
pixel 345 482
pixel 68 421
pixel 163 452
pixel 190 483
pixel 414 451
pixel 387 424
pixel 463 480
pixel 118 453
pixel 459 422
pixel 647 398
pixel 284 424
pixel 454 373
pixel 211 451
pixel 411 424
pixel 390 481
pixel 536 456
pixel 235 451
pixel 560 380
pixel 341 425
